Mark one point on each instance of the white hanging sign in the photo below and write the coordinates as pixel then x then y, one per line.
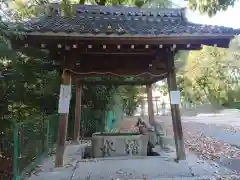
pixel 175 97
pixel 64 99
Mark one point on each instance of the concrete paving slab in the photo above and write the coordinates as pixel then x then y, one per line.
pixel 147 167
pixel 46 169
pixel 130 169
pixel 48 164
pixel 233 164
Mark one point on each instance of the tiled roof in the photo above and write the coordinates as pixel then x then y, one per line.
pixel 109 20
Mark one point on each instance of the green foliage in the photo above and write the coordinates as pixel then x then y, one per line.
pixel 23 143
pixel 131 98
pixel 29 87
pixel 233 54
pixel 33 85
pixel 211 7
pixel 211 75
pixel 98 97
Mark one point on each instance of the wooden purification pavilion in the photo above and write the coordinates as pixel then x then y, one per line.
pixel 132 46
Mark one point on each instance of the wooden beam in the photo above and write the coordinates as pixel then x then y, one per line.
pixel 222 40
pixel 80 44
pixel 63 123
pixel 77 113
pixel 176 117
pixel 127 64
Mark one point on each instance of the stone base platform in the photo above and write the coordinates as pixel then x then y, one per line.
pixel 134 167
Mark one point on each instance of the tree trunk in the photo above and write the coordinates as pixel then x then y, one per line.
pixel 101 2
pixel 82 1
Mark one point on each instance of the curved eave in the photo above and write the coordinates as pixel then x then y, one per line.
pixel 219 40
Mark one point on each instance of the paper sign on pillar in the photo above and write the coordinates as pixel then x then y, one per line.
pixel 64 99
pixel 175 97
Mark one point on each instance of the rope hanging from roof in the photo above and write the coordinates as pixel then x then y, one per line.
pixel 111 73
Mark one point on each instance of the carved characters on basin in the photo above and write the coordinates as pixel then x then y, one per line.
pixel 108 147
pixel 132 147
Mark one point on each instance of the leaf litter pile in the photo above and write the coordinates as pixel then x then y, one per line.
pixel 209 148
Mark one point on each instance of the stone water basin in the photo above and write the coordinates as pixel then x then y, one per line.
pixel 110 144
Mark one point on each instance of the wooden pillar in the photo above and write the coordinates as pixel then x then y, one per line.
pixel 142 107
pixel 176 116
pixel 77 113
pixel 150 104
pixel 64 101
pixel 156 103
